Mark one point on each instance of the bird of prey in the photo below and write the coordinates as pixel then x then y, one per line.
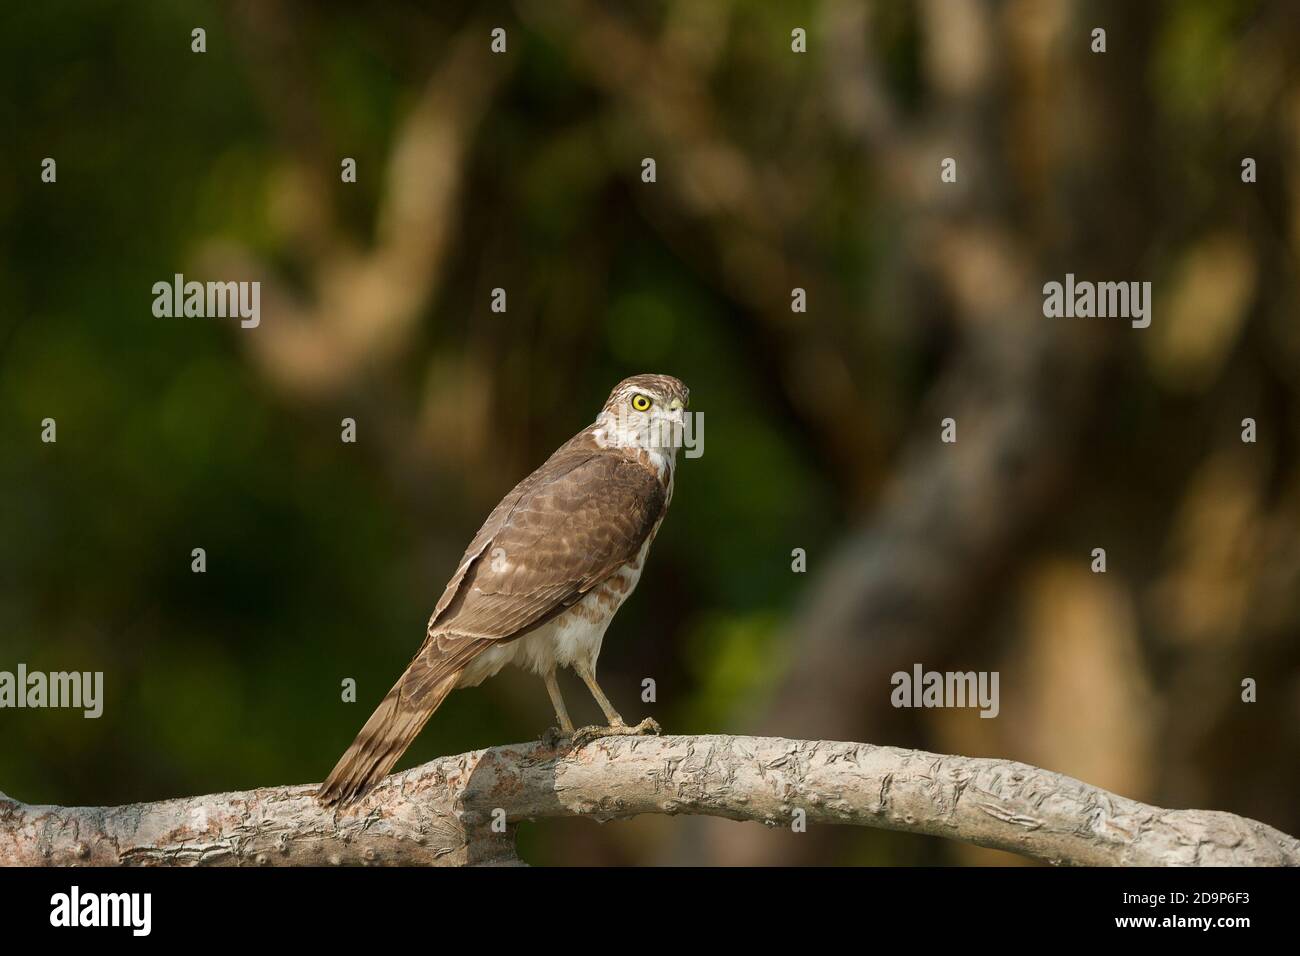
pixel 540 582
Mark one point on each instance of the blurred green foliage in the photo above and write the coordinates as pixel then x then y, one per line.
pixel 168 440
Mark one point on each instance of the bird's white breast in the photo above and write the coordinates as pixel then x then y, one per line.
pixel 575 635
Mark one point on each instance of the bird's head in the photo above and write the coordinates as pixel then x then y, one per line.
pixel 646 411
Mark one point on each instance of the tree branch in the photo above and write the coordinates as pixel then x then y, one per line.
pixel 443 812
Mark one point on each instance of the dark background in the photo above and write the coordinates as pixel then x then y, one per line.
pixel 775 170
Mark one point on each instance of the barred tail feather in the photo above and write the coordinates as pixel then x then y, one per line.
pixel 389 731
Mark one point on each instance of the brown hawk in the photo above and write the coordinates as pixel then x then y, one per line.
pixel 542 579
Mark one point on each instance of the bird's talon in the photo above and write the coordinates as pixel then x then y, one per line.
pixel 585 735
pixel 554 736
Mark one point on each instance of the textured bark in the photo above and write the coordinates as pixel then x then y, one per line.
pixel 442 813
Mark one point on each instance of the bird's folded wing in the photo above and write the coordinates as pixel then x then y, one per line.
pixel 563 530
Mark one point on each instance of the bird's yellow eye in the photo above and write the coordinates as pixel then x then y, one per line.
pixel 641 403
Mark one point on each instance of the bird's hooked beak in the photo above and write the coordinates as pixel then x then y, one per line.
pixel 678 412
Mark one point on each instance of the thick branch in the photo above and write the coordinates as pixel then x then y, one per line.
pixel 442 813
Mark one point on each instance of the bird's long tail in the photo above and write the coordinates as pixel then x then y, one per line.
pixel 399 717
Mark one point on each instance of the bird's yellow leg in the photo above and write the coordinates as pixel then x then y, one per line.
pixel 561 712
pixel 589 678
pixel 617 726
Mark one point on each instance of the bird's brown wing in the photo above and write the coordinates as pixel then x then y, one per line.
pixel 585 517
pixel 567 527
